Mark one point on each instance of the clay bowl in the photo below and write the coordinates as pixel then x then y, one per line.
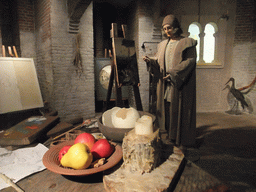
pixel 117 134
pixel 51 161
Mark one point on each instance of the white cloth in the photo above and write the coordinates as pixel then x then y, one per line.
pixel 20 163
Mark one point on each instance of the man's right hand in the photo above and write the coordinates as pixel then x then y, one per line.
pixel 146 59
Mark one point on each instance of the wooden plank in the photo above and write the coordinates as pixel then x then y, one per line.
pixel 25 132
pixel 62 127
pixel 59 128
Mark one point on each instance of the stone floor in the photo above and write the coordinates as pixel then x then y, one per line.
pixel 225 156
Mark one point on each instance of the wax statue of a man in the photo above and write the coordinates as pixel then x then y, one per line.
pixel 176 88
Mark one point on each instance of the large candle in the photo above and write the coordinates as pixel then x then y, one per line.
pixel 144 125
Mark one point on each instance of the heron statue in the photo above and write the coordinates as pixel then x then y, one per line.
pixel 235 96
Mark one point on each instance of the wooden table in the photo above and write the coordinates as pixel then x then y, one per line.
pixel 48 181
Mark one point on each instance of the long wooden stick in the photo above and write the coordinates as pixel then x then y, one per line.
pixel 114 31
pixel 124 29
pixel 77 127
pixel 15 51
pixel 10 51
pixel 10 182
pixel 3 51
pixel 105 53
pixel 109 52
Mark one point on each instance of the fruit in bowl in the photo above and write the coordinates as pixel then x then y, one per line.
pixel 85 138
pixel 84 150
pixel 77 157
pixel 102 149
pixel 63 151
pixel 52 163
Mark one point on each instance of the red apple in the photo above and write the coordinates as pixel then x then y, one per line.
pixel 102 149
pixel 63 151
pixel 86 138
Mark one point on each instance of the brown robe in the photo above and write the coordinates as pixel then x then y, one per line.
pixel 183 92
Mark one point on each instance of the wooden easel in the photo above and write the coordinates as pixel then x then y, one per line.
pixel 123 53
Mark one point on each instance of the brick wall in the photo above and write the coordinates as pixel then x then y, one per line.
pixel 9 26
pixel 145 23
pixel 43 48
pixel 26 23
pixel 69 92
pixel 244 21
pixel 25 10
pixel 73 93
pixel 244 51
pixel 24 28
pixel 43 19
pixel 98 32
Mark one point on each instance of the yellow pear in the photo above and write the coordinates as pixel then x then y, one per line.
pixel 77 157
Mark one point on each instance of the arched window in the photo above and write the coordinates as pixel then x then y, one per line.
pixel 206 42
pixel 209 43
pixel 210 32
pixel 194 32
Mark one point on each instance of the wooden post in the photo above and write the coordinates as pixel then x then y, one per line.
pixel 15 51
pixel 114 35
pixel 3 51
pixel 10 51
pixel 119 101
pixel 110 54
pixel 105 53
pixel 113 31
pixel 124 29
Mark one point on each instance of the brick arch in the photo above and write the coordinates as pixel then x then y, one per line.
pixel 76 9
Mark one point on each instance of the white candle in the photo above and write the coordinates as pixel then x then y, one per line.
pixel 144 125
